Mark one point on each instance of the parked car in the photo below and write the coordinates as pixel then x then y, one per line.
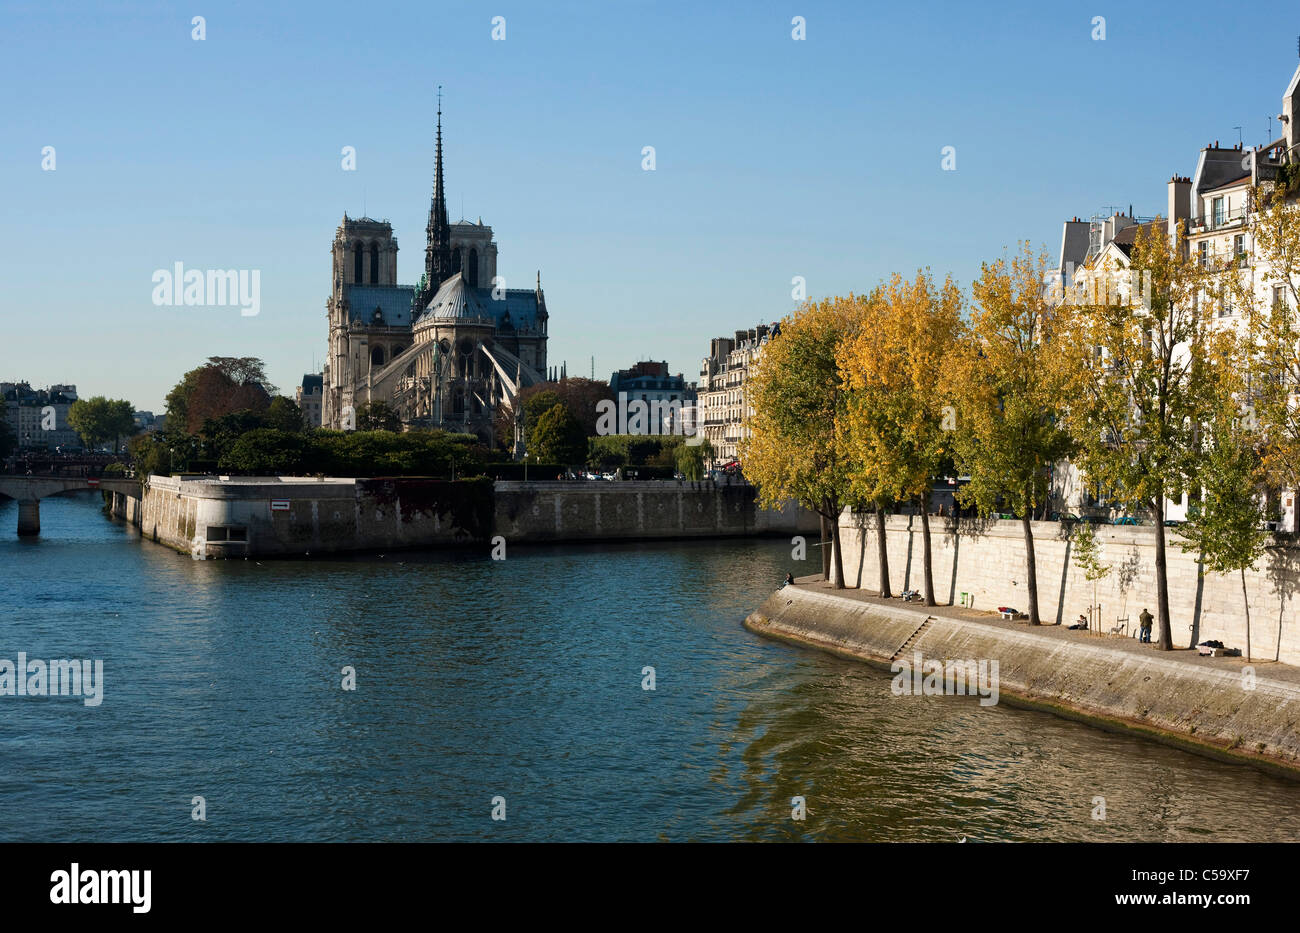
pixel 1125 520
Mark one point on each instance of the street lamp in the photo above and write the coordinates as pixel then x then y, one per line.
pixel 526 456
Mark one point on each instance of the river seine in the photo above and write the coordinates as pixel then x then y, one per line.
pixel 518 686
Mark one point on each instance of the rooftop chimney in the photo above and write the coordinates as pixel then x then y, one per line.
pixel 1180 202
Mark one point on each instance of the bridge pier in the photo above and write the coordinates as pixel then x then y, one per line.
pixel 29 517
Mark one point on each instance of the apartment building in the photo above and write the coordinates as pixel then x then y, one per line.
pixel 1215 204
pixel 722 406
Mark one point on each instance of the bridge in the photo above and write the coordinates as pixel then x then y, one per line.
pixel 30 490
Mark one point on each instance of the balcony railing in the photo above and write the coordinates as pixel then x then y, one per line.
pixel 1218 220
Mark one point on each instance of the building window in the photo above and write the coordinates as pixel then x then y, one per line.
pixel 473 268
pixel 1279 296
pixel 1203 250
pixel 377 356
pixel 374 263
pixel 1239 248
pixel 356 263
pixel 455 260
pixel 1217 211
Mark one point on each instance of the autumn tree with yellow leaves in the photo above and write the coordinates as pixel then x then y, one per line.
pixel 894 419
pixel 793 450
pixel 1008 386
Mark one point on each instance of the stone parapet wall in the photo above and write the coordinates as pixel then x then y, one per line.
pixel 986 560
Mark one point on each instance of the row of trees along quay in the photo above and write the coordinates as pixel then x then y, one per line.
pixel 865 400
pixel 225 416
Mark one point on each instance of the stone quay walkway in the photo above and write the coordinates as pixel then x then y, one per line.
pixel 1264 666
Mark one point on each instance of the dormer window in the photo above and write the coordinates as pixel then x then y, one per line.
pixel 378 316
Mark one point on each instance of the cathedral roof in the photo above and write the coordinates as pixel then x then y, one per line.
pixel 392 301
pixel 456 301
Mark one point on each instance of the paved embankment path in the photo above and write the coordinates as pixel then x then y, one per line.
pixel 1246 711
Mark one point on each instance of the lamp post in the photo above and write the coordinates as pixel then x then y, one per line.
pixel 526 456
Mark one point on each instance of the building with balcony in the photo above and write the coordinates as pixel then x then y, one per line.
pixel 722 407
pixel 1217 205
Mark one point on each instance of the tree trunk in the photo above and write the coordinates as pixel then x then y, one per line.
pixel 838 552
pixel 927 573
pixel 882 549
pixel 1245 598
pixel 1031 569
pixel 1166 640
pixel 825 548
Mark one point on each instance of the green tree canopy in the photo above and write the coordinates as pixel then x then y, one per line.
pixel 374 416
pixel 690 459
pixel 99 419
pixel 558 437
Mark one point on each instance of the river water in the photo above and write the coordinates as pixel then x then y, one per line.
pixel 523 680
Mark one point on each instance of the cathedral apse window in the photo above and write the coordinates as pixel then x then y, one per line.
pixel 377 356
pixel 455 260
pixel 374 263
pixel 473 268
pixel 356 263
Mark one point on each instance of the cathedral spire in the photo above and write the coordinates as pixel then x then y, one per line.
pixel 437 251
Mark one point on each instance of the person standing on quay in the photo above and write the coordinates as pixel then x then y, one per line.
pixel 1144 625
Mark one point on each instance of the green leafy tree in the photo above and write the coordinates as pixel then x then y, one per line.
pixel 558 437
pixel 1138 385
pixel 374 416
pixel 1226 528
pixel 690 459
pixel 1087 554
pixel 268 452
pixel 582 396
pixel 283 414
pixel 99 419
pixel 152 454
pixel 1009 390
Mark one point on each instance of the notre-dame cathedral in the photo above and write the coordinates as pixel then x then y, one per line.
pixel 445 353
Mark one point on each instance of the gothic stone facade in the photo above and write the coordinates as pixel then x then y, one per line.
pixel 445 353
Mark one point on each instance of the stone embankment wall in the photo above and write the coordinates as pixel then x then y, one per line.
pixel 209 517
pixel 986 560
pixel 604 510
pixel 1148 692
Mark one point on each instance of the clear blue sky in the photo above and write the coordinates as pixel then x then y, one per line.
pixel 775 157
